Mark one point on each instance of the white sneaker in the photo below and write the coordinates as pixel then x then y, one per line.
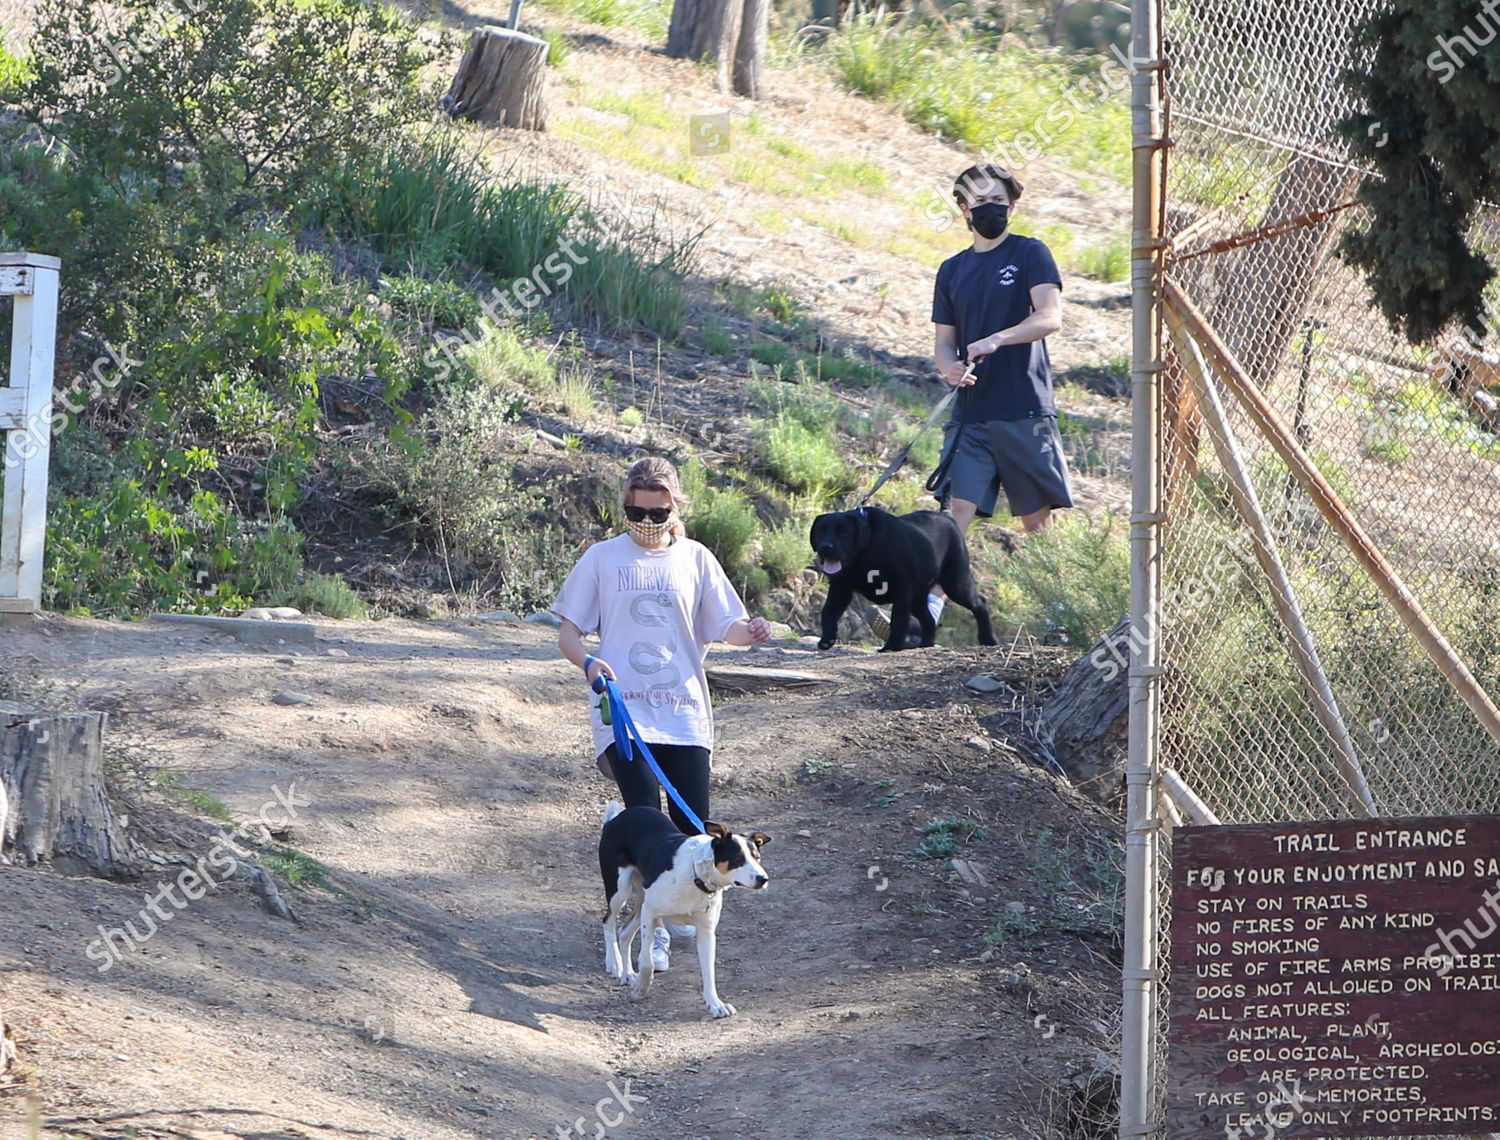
pixel 661 944
pixel 935 606
pixel 682 929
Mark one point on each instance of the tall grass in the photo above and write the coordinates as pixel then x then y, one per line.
pixel 1012 97
pixel 431 205
pixel 428 203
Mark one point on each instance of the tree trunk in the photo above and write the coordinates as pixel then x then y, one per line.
pixel 500 80
pixel 750 54
pixel 53 769
pixel 1272 282
pixel 708 31
pixel 1085 719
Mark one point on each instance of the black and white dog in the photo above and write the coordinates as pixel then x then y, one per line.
pixel 668 876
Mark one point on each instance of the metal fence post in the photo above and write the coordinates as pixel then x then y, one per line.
pixel 1140 974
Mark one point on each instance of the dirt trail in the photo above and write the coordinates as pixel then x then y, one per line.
pixel 451 984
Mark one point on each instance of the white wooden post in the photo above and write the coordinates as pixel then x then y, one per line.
pixel 26 422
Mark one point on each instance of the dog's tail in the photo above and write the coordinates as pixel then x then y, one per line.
pixel 612 809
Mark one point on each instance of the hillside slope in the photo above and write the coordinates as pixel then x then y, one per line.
pixel 445 980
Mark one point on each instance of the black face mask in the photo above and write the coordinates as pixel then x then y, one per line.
pixel 989 219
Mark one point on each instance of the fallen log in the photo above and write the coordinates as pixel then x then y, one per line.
pixel 747 679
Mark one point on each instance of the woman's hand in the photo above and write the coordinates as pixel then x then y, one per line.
pixel 748 631
pixel 596 668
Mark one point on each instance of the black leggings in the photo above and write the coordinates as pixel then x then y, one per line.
pixel 686 765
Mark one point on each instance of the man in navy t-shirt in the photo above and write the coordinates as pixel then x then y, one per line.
pixel 993 306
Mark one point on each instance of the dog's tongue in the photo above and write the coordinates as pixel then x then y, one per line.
pixel 832 565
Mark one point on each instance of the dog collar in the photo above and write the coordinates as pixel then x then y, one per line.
pixel 701 885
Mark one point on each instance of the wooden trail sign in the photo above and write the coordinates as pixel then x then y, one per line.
pixel 1335 979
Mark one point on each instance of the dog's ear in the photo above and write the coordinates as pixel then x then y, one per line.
pixel 717 830
pixel 760 839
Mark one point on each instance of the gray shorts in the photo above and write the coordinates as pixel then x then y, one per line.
pixel 1023 456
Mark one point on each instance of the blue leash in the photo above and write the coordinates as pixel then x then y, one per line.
pixel 627 734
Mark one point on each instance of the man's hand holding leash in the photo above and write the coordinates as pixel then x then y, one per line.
pixel 957 374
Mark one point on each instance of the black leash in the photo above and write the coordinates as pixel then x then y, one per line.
pixel 895 464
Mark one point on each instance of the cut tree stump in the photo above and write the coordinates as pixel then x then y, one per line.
pixel 53 770
pixel 500 80
pixel 1085 720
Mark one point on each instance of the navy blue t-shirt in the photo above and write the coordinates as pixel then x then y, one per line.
pixel 981 294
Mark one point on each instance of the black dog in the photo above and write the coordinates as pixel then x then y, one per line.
pixel 896 561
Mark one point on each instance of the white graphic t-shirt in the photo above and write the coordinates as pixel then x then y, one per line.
pixel 656 611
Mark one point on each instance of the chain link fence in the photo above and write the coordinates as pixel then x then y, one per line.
pixel 1291 687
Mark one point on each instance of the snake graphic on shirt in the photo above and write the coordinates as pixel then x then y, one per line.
pixel 639 615
pixel 651 659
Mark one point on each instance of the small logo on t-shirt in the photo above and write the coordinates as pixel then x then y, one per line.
pixel 1008 274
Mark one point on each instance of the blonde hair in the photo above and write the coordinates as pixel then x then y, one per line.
pixel 657 474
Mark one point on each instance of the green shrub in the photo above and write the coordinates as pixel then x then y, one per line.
pixel 636 280
pixel 781 303
pixel 558 46
pixel 649 17
pixel 802 459
pixel 785 552
pixel 430 203
pixel 295 88
pixel 812 404
pixel 632 417
pixel 440 303
pixel 716 338
pixel 326 594
pixel 976 90
pixel 451 482
pixel 725 523
pixel 771 352
pixel 1108 260
pixel 720 518
pixel 502 360
pixel 927 448
pixel 1072 576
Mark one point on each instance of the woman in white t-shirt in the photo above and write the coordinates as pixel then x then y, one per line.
pixel 657 599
